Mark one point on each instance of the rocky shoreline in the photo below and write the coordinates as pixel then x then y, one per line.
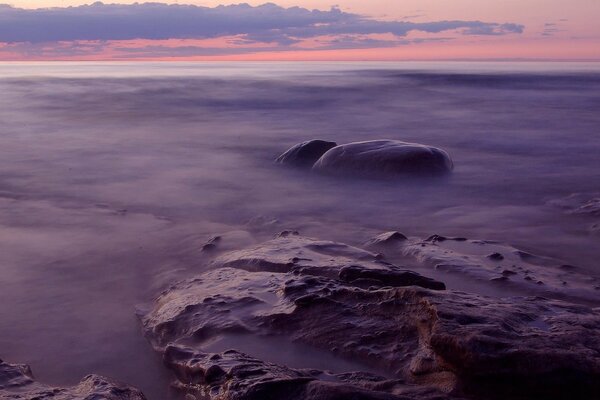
pixel 351 303
pixel 300 318
pixel 407 335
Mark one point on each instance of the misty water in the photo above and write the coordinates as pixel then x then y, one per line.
pixel 113 175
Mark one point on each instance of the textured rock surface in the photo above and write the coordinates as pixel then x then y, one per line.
pixel 290 252
pixel 386 238
pixel 306 153
pixel 16 382
pixel 235 375
pixel 441 343
pixel 485 261
pixel 384 158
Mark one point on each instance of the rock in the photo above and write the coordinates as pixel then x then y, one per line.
pixel 211 244
pixel 227 241
pixel 439 238
pixel 384 158
pixel 306 153
pixel 496 257
pixel 393 277
pixel 579 203
pixel 290 252
pixel 233 302
pixel 411 338
pixel 248 378
pixel 214 373
pixel 482 260
pixel 386 238
pixel 17 383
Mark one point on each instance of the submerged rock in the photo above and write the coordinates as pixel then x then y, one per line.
pixel 384 158
pixel 306 153
pixel 17 383
pixel 227 241
pixel 579 204
pixel 386 238
pixel 342 301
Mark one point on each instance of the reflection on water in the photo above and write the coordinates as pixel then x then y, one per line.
pixel 113 175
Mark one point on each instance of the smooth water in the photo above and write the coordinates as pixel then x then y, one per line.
pixel 113 175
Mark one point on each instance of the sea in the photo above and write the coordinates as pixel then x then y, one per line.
pixel 113 175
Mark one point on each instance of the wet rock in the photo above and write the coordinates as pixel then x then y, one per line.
pixel 227 241
pixel 17 383
pixel 439 238
pixel 340 300
pixel 385 239
pixel 579 203
pixel 287 233
pixel 496 257
pixel 214 373
pixel 384 158
pixel 395 277
pixel 211 244
pixel 476 259
pixel 290 252
pixel 248 378
pixel 450 341
pixel 306 153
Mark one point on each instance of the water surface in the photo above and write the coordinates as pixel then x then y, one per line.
pixel 113 175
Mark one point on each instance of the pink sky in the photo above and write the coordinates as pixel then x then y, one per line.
pixel 553 30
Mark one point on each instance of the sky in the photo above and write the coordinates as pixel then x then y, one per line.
pixel 354 30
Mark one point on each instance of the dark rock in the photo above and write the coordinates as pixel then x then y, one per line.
pixel 214 373
pixel 384 158
pixel 436 238
pixel 394 277
pixel 17 383
pixel 209 247
pixel 496 257
pixel 443 343
pixel 287 233
pixel 227 241
pixel 568 267
pixel 439 339
pixel 248 378
pixel 305 154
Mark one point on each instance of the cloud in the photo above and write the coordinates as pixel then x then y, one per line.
pixel 278 27
pixel 551 28
pixel 268 22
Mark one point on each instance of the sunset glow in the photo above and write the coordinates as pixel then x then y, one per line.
pixel 288 30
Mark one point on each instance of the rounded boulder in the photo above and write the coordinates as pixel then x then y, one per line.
pixel 384 158
pixel 306 153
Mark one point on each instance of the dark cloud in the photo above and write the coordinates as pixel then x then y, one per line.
pixel 268 23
